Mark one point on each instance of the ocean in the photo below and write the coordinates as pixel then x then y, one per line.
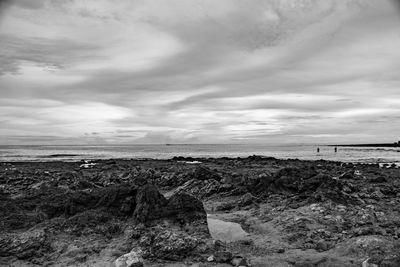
pixel 9 153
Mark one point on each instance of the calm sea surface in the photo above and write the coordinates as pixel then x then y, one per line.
pixel 308 152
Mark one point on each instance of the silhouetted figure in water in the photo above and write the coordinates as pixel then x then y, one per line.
pixel 335 149
pixel 317 149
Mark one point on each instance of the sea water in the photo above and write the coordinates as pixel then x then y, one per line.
pixel 92 152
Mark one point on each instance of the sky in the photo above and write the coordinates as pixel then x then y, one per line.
pixel 199 71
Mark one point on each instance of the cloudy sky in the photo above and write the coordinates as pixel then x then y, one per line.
pixel 199 71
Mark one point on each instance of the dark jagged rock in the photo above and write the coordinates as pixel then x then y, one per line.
pixel 169 245
pixel 120 199
pixel 185 208
pixel 204 173
pixel 288 179
pixel 32 243
pixel 248 199
pixel 150 204
pixel 314 182
pixel 313 207
pixel 91 222
pixel 200 189
pixel 199 173
pixel 38 205
pixel 32 207
pixel 223 256
pixel 291 179
pixel 339 191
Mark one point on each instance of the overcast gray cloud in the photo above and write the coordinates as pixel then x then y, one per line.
pixel 199 71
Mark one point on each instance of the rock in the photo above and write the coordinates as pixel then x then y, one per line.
pixel 377 194
pixel 199 188
pixel 367 264
pixel 185 208
pixel 290 179
pixel 372 247
pixel 32 243
pixel 379 179
pixel 39 185
pixel 82 184
pixel 247 200
pixel 90 222
pixel 238 261
pixel 391 261
pixel 347 175
pixel 229 205
pixel 223 256
pixel 323 246
pixel 204 173
pixel 211 258
pixel 118 198
pixel 338 191
pixel 168 244
pixel 131 259
pixel 280 250
pixel 150 204
pixel 261 184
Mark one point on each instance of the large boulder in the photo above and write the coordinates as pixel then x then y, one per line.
pixel 150 204
pixel 188 212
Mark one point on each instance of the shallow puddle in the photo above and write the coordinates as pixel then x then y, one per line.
pixel 225 231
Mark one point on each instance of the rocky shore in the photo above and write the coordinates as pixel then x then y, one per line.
pixel 254 211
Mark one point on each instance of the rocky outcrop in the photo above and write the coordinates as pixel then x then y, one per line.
pixel 201 188
pixel 203 173
pixel 150 204
pixel 33 243
pixel 170 244
pixel 50 212
pixel 185 208
pixel 199 174
pixel 118 199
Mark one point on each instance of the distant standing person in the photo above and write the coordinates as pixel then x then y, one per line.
pixel 317 149
pixel 335 149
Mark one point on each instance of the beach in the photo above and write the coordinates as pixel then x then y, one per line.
pixel 186 211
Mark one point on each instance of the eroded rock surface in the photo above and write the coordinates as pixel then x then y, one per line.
pixel 295 213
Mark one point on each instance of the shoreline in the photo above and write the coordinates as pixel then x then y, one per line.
pixel 302 152
pixel 199 160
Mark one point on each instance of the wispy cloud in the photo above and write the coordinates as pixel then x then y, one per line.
pixel 199 71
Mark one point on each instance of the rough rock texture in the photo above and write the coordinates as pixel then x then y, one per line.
pixel 23 245
pixel 204 173
pixel 185 208
pixel 169 244
pixel 199 188
pixel 293 213
pixel 131 259
pixel 149 204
